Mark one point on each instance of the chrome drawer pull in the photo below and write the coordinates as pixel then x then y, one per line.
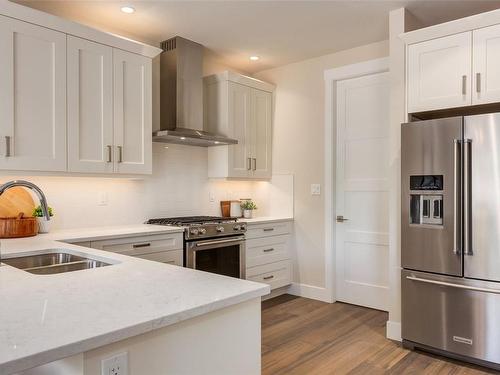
pixel 120 154
pixel 135 246
pixel 268 277
pixel 110 151
pixel 268 229
pixel 268 250
pixel 458 286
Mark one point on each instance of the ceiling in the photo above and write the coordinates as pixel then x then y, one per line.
pixel 280 32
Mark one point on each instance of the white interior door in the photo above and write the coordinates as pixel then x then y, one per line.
pixel 362 191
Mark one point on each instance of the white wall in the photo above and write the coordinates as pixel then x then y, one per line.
pixel 298 147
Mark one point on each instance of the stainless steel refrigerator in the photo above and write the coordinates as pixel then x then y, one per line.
pixel 450 237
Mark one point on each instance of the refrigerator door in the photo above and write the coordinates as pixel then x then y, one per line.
pixel 482 197
pixel 431 203
pixel 453 314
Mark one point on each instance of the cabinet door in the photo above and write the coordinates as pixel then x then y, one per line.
pixel 32 97
pixel 439 73
pixel 261 133
pixel 90 106
pixel 486 60
pixel 132 112
pixel 240 118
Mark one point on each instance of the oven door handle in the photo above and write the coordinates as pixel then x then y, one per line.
pixel 217 242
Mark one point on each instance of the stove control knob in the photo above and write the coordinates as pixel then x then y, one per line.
pixel 220 229
pixel 237 227
pixel 202 231
pixel 193 231
pixel 243 227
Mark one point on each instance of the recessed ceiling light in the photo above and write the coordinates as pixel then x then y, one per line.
pixel 216 142
pixel 254 58
pixel 183 138
pixel 128 9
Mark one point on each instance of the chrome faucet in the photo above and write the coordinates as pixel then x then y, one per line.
pixel 32 186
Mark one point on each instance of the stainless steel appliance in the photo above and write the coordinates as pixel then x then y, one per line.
pixel 181 96
pixel 450 237
pixel 211 243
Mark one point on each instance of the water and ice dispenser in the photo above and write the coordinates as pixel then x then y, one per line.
pixel 426 200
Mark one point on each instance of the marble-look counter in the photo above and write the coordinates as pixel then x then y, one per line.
pixel 47 317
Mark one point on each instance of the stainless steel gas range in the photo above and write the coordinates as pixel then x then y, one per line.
pixel 211 243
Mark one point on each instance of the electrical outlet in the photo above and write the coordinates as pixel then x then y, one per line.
pixel 116 365
pixel 211 196
pixel 315 189
pixel 103 199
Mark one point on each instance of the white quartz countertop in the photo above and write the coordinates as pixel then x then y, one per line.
pixel 47 317
pixel 266 219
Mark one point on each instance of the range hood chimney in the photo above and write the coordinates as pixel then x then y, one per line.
pixel 181 96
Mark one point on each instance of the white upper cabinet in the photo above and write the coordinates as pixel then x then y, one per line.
pixel 132 112
pixel 262 134
pixel 90 106
pixel 72 98
pixel 32 97
pixel 241 108
pixel 439 73
pixel 486 63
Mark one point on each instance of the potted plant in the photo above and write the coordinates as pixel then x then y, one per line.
pixel 248 206
pixel 43 223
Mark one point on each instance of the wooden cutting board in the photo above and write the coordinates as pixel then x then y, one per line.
pixel 16 200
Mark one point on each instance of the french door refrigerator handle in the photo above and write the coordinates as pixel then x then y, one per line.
pixel 452 285
pixel 457 177
pixel 467 197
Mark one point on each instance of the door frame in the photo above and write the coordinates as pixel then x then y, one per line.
pixel 331 77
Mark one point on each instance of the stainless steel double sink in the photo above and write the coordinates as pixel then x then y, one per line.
pixel 52 262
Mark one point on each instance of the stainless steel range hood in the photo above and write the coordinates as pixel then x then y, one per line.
pixel 181 96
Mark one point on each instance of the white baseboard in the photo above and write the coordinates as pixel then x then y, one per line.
pixel 311 291
pixel 393 330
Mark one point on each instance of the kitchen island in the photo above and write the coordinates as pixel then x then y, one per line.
pixel 167 319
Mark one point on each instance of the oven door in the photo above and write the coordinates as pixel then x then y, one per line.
pixel 224 256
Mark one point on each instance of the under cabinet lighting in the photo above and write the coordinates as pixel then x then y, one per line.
pixel 183 138
pixel 216 142
pixel 128 9
pixel 254 58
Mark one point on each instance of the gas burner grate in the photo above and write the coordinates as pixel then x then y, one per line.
pixel 187 220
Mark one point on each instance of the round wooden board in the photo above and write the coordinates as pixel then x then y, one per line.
pixel 16 200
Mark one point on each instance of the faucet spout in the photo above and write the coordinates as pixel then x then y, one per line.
pixel 32 186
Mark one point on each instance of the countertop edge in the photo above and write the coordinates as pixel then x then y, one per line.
pixel 91 343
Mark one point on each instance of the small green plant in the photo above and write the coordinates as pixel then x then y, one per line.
pixel 38 212
pixel 248 205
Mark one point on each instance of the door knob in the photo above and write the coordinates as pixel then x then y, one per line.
pixel 341 219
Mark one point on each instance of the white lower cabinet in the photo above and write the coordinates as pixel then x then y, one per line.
pixel 164 248
pixel 267 254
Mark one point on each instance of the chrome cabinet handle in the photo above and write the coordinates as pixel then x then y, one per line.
pixel 457 182
pixel 268 229
pixel 268 250
pixel 254 161
pixel 459 286
pixel 268 277
pixel 478 82
pixel 120 154
pixel 139 245
pixel 7 146
pixel 467 193
pixel 109 153
pixel 341 219
pixel 249 164
pixel 464 85
pixel 238 239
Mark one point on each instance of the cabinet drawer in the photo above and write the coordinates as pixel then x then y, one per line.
pixel 266 230
pixel 170 257
pixel 141 245
pixel 276 274
pixel 266 250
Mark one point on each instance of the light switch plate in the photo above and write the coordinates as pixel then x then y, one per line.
pixel 103 199
pixel 116 365
pixel 315 189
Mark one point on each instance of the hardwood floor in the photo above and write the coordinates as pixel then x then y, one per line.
pixel 303 336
